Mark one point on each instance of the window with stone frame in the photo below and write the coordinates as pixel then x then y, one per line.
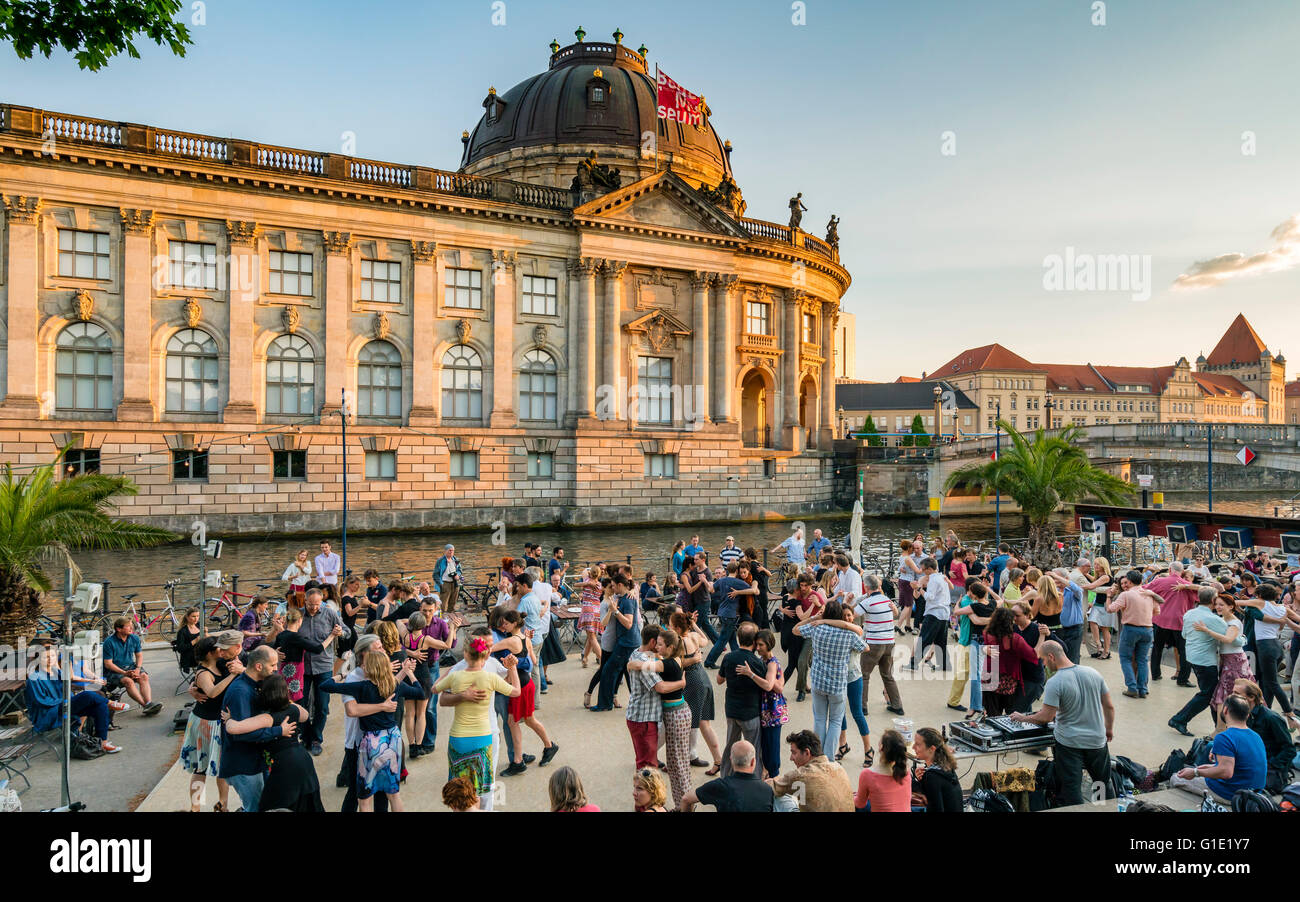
pixel 192 264
pixel 381 281
pixel 80 460
pixel 83 370
pixel 381 464
pixel 84 255
pixel 462 383
pixel 538 391
pixel 379 380
pixel 290 377
pixel 463 288
pixel 189 464
pixel 655 389
pixel 289 464
pixel 757 317
pixel 661 466
pixel 540 295
pixel 463 465
pixel 290 273
pixel 192 365
pixel 541 465
pixel 810 328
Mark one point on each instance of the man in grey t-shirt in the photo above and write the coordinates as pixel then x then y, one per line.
pixel 1075 697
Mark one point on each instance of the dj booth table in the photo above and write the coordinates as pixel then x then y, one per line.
pixel 998 737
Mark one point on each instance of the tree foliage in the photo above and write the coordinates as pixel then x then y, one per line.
pixel 922 439
pixel 94 31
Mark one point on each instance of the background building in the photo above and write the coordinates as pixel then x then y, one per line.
pixel 846 347
pixel 892 407
pixel 566 329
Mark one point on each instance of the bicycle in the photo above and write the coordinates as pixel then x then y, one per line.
pixel 166 620
pixel 225 608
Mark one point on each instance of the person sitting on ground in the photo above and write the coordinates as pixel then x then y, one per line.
pixel 124 666
pixel 1238 758
pixel 1279 748
pixel 816 783
pixel 935 776
pixel 43 694
pixel 648 791
pixel 885 786
pixel 738 791
pixel 566 792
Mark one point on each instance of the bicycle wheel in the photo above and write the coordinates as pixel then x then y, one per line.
pixel 167 625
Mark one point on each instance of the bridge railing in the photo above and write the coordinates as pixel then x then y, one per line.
pixel 1283 435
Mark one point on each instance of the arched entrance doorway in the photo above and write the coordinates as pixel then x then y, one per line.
pixel 808 410
pixel 755 424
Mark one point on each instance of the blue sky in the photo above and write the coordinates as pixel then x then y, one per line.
pixel 1117 139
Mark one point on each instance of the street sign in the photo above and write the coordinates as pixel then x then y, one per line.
pixel 1144 480
pixel 1245 455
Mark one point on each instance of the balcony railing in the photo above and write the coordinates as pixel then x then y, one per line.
pixel 758 341
pixel 757 438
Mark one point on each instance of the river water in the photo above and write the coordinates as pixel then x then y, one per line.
pixel 262 561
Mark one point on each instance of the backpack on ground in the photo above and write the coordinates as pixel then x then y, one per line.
pixel 1173 764
pixel 1199 753
pixel 989 800
pixel 1046 789
pixel 1252 801
pixel 85 748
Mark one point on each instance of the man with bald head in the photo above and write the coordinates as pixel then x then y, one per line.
pixel 242 764
pixel 1077 698
pixel 741 790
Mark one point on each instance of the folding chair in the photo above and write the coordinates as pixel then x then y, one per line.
pixel 187 673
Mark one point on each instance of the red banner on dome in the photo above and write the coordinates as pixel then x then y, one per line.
pixel 676 104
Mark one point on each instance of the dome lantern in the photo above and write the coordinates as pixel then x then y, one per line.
pixel 555 46
pixel 618 36
pixel 580 34
pixel 643 50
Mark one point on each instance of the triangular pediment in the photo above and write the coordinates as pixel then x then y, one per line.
pixel 659 328
pixel 662 202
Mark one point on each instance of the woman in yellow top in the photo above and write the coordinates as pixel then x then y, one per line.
pixel 469 745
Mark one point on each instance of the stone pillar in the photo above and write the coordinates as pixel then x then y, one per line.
pixel 726 333
pixel 612 346
pixel 582 336
pixel 826 409
pixel 23 216
pixel 792 436
pixel 696 401
pixel 424 307
pixel 137 316
pixel 338 331
pixel 503 340
pixel 242 289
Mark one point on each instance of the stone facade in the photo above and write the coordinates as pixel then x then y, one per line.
pixel 505 350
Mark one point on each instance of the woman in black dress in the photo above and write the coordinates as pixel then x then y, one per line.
pixel 186 635
pixel 291 783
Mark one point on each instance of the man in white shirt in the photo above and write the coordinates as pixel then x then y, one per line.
pixel 877 614
pixel 451 699
pixel 327 565
pixel 730 554
pixel 848 582
pixel 546 595
pixel 937 592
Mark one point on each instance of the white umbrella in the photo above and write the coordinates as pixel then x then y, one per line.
pixel 855 533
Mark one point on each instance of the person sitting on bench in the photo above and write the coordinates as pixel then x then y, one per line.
pixel 44 696
pixel 123 656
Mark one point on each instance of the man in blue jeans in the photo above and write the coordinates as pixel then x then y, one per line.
pixel 319 623
pixel 627 639
pixel 242 764
pixel 729 589
pixel 1136 607
pixel 1202 651
pixel 1070 632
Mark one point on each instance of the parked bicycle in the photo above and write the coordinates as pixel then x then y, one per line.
pixel 164 623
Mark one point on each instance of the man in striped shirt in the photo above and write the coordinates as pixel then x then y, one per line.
pixel 877 614
pixel 729 553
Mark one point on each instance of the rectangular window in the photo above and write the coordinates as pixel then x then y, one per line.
pixel 290 274
pixel 757 317
pixel 192 265
pixel 541 295
pixel 655 389
pixel 464 288
pixel 810 328
pixel 289 464
pixel 464 465
pixel 83 255
pixel 381 464
pixel 381 280
pixel 541 465
pixel 80 460
pixel 769 468
pixel 661 466
pixel 189 464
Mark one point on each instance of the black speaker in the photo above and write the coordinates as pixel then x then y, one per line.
pixel 1291 543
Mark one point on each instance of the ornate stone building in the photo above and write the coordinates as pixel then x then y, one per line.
pixel 579 325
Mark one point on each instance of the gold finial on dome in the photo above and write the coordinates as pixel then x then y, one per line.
pixel 492 91
pixel 598 74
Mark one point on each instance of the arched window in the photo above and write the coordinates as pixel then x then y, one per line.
pixel 290 377
pixel 83 369
pixel 538 395
pixel 379 381
pixel 462 383
pixel 192 382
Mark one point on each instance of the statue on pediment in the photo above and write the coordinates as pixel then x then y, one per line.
pixel 726 195
pixel 594 179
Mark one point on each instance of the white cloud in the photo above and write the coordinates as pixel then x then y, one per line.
pixel 1283 255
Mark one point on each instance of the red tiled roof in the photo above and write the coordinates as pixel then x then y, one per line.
pixel 1219 386
pixel 1073 377
pixel 1239 343
pixel 988 357
pixel 907 379
pixel 1153 376
pixel 1293 389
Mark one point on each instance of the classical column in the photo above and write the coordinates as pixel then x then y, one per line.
pixel 503 339
pixel 826 434
pixel 726 334
pixel 242 288
pixel 696 400
pixel 792 435
pixel 612 346
pixel 582 337
pixel 137 316
pixel 23 214
pixel 338 247
pixel 424 305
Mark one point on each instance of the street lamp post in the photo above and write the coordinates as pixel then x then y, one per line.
pixel 997 452
pixel 1048 407
pixel 344 412
pixel 1209 466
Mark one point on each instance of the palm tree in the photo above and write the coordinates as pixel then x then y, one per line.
pixel 1042 473
pixel 43 519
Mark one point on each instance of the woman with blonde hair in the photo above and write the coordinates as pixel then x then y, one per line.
pixel 469 744
pixel 390 638
pixel 909 571
pixel 1100 621
pixel 566 792
pixel 589 618
pixel 648 791
pixel 298 572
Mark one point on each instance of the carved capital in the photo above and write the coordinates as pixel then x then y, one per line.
pixel 702 280
pixel 794 297
pixel 504 261
pixel 242 232
pixel 613 269
pixel 23 208
pixel 423 251
pixel 136 222
pixel 337 242
pixel 583 266
pixel 728 282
